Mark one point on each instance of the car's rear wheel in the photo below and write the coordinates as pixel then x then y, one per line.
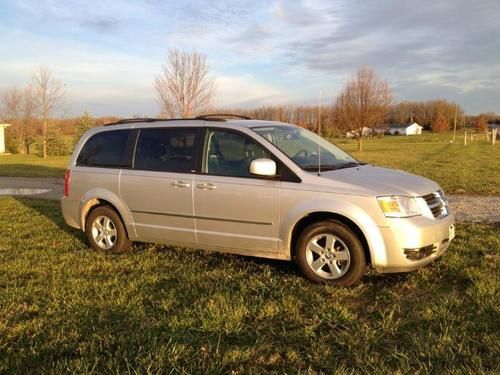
pixel 105 230
pixel 329 252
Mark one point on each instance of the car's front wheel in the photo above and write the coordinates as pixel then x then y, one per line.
pixel 105 230
pixel 330 252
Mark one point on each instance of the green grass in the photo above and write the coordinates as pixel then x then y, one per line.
pixel 65 308
pixel 474 169
pixel 32 166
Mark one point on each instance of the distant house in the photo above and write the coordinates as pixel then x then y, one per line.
pixel 367 132
pixel 495 126
pixel 405 129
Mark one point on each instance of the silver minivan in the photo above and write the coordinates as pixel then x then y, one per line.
pixel 258 188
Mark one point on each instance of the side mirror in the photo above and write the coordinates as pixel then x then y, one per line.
pixel 263 167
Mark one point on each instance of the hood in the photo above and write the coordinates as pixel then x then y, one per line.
pixel 371 180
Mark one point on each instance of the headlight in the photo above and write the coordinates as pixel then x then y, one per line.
pixel 443 196
pixel 399 206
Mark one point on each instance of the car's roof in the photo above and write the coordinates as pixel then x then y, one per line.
pixel 256 123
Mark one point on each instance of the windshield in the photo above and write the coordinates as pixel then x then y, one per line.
pixel 307 149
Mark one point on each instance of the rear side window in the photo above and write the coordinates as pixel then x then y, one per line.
pixel 105 149
pixel 166 150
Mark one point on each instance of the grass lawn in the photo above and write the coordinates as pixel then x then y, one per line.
pixel 474 169
pixel 32 166
pixel 65 308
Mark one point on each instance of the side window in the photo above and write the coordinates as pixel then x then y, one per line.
pixel 166 150
pixel 105 149
pixel 230 154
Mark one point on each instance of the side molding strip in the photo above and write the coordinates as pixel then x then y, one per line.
pixel 203 217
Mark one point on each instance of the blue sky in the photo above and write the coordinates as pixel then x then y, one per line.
pixel 261 52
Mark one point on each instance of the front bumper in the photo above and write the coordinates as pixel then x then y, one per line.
pixel 414 242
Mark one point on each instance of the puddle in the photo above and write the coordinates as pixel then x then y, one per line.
pixel 21 191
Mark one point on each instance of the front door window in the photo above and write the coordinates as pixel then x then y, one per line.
pixel 229 154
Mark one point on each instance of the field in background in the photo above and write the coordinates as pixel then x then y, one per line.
pixel 474 169
pixel 66 308
pixel 32 166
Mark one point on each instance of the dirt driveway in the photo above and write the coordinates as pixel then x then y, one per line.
pixel 467 208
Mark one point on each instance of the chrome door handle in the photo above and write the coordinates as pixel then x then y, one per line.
pixel 180 184
pixel 206 186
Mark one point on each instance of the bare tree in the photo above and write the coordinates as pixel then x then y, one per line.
pixel 28 118
pixel 48 94
pixel 440 123
pixel 481 122
pixel 12 102
pixel 18 108
pixel 363 103
pixel 184 87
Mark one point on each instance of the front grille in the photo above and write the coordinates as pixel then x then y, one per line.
pixel 436 204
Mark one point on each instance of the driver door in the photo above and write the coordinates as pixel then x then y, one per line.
pixel 233 209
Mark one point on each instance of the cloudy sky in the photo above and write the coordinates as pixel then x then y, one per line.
pixel 261 52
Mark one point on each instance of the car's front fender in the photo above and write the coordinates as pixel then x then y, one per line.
pixel 340 208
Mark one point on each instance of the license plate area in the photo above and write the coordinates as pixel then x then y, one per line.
pixel 451 232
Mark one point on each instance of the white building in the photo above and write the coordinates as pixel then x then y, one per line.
pixel 367 132
pixel 407 129
pixel 2 137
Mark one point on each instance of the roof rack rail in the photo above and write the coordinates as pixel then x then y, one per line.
pixel 219 116
pixel 139 119
pixel 207 117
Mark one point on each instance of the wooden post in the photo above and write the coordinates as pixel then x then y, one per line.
pixel 465 138
pixel 494 136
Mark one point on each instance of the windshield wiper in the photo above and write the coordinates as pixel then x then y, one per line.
pixel 324 167
pixel 331 167
pixel 351 164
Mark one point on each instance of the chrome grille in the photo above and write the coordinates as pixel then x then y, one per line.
pixel 437 204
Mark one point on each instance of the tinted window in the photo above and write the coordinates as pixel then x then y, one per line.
pixel 105 149
pixel 167 150
pixel 230 154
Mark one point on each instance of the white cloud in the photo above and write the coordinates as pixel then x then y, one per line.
pixel 245 91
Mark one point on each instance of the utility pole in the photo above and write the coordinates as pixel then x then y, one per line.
pixel 319 133
pixel 455 123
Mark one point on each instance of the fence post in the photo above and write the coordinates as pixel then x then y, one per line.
pixel 465 138
pixel 494 136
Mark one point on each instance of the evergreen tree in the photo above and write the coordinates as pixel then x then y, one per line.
pixel 85 123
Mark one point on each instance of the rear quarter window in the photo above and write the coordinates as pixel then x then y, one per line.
pixel 105 149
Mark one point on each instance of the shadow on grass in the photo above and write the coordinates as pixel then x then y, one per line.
pixel 52 211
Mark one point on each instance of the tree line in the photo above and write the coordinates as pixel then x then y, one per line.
pixel 185 88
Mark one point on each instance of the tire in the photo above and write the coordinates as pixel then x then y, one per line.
pixel 105 230
pixel 344 266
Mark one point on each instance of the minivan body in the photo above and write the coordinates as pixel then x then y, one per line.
pixel 258 188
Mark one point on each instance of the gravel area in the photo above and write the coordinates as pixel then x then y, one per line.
pixel 475 208
pixel 467 208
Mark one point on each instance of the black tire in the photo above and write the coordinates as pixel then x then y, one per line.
pixel 351 269
pixel 118 238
